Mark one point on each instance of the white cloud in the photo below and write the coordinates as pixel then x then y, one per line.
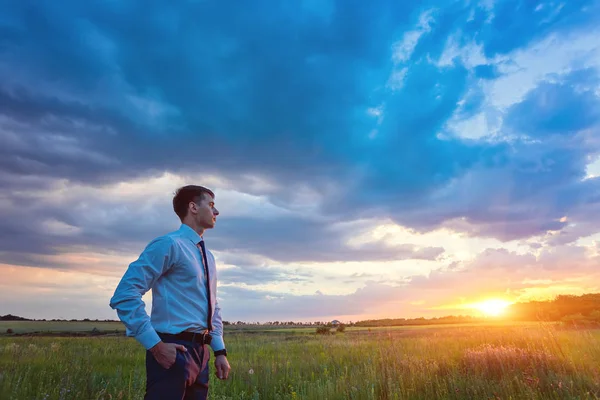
pixel 476 127
pixel 470 55
pixel 396 80
pixel 520 71
pixel 523 69
pixel 487 4
pixel 403 49
pixel 457 246
pixel 593 169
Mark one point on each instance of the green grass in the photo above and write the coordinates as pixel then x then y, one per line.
pixel 23 327
pixel 58 326
pixel 398 328
pixel 461 362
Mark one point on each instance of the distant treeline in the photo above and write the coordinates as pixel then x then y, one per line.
pixel 451 319
pixel 565 308
pixel 10 317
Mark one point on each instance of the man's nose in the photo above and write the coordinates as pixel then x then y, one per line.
pixel 215 211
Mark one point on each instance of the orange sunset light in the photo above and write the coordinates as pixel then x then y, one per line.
pixel 492 307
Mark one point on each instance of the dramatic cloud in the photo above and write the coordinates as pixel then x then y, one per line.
pixel 313 121
pixel 564 107
pixel 504 274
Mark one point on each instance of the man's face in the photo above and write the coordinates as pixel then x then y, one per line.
pixel 204 212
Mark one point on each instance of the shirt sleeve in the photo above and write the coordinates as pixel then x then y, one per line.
pixel 140 276
pixel 217 343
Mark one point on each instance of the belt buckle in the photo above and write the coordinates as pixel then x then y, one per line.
pixel 204 337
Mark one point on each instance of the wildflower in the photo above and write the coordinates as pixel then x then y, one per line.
pixel 251 371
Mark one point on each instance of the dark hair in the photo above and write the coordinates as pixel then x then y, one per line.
pixel 186 194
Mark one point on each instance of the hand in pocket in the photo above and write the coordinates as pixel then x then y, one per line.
pixel 166 353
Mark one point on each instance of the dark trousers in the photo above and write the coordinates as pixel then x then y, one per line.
pixel 186 379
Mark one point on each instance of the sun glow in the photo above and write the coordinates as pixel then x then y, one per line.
pixel 493 307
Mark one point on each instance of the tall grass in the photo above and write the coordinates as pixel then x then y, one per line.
pixel 436 363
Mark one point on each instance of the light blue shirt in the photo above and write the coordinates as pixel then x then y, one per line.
pixel 170 265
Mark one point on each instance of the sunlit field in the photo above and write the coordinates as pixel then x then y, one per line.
pixel 83 327
pixel 458 362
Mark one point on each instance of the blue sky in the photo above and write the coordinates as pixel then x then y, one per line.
pixel 369 160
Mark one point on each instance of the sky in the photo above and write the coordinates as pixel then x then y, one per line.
pixel 369 160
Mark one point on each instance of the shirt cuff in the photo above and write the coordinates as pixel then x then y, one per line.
pixel 217 343
pixel 148 338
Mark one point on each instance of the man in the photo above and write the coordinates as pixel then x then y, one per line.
pixel 185 314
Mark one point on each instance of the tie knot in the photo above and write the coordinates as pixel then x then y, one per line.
pixel 202 247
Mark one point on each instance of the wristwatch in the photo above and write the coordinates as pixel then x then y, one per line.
pixel 221 353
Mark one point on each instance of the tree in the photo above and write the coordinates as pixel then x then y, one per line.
pixel 323 330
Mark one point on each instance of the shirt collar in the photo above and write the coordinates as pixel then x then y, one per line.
pixel 188 232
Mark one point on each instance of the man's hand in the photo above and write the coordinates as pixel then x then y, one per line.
pixel 166 353
pixel 222 367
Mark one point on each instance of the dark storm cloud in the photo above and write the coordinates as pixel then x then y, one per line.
pixel 281 91
pixel 239 84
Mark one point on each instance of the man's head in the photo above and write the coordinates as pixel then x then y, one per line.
pixel 195 205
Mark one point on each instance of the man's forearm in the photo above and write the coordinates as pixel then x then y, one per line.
pixel 137 323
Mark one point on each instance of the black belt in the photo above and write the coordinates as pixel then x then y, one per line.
pixel 194 337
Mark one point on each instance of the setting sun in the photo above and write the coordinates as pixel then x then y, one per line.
pixel 492 308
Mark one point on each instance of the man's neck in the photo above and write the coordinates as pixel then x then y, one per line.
pixel 199 230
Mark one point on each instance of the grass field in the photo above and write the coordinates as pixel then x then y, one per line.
pixel 22 327
pixel 51 326
pixel 436 362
